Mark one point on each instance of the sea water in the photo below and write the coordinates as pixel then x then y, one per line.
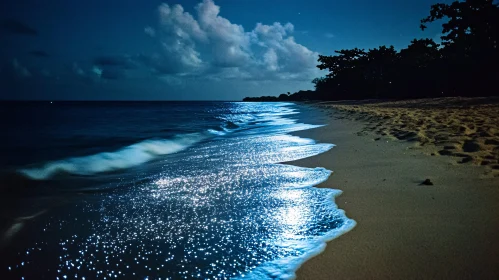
pixel 161 190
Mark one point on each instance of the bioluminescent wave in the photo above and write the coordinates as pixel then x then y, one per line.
pixel 127 157
pixel 221 208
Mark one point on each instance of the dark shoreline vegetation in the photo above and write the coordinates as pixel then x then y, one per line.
pixel 464 64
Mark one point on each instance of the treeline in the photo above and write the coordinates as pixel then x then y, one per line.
pixel 466 63
pixel 297 96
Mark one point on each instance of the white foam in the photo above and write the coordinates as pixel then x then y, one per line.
pixel 126 157
pixel 216 132
pixel 285 268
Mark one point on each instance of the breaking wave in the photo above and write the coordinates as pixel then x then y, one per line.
pixel 126 157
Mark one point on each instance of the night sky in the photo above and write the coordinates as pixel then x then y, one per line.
pixel 187 50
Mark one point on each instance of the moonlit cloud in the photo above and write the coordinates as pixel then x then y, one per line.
pixel 195 52
pixel 272 33
pixel 271 60
pixel 230 45
pixel 208 43
pixel 178 32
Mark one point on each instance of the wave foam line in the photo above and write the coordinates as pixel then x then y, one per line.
pixel 126 157
pixel 285 268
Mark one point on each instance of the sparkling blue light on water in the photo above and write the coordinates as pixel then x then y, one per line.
pixel 222 209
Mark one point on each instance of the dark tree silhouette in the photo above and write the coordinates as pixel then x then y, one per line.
pixel 472 24
pixel 470 39
pixel 466 63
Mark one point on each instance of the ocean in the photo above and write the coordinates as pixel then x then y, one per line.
pixel 161 190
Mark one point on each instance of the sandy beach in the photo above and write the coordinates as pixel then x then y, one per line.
pixel 406 230
pixel 464 128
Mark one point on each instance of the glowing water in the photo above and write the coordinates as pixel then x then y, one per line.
pixel 222 208
pixel 127 157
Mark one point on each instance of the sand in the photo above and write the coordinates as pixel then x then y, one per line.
pixel 406 230
pixel 464 128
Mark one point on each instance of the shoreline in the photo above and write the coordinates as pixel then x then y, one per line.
pixel 404 230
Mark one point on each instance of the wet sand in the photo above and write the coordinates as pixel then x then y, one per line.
pixel 405 230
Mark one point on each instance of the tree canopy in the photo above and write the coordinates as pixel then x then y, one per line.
pixel 465 63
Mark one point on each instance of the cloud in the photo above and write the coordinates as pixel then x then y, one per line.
pixel 112 74
pixel 207 44
pixel 114 67
pixel 116 61
pixel 230 45
pixel 150 31
pixel 77 70
pixel 271 60
pixel 16 27
pixel 289 59
pixel 97 71
pixel 329 35
pixel 272 33
pixel 39 53
pixel 177 34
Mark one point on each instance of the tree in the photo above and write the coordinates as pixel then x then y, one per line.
pixel 346 59
pixel 470 39
pixel 472 24
pixel 319 82
pixel 464 64
pixel 421 52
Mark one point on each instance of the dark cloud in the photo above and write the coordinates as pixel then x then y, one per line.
pixel 159 64
pixel 17 27
pixel 110 74
pixel 124 62
pixel 39 53
pixel 114 67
